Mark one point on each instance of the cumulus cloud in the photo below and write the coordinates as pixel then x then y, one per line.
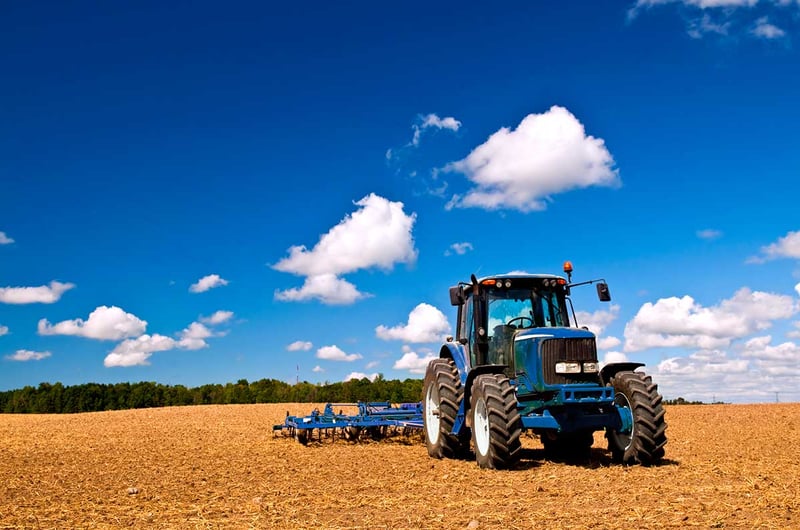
pixel 218 317
pixel 133 352
pixel 425 324
pixel 614 357
pixel 709 234
pixel 299 345
pixel 413 361
pixel 359 376
pixel 3 330
pixel 207 282
pixel 458 248
pixel 104 323
pixel 318 369
pixel 327 288
pixel 334 353
pixel 682 322
pixel 797 288
pixel 787 246
pixel 372 364
pixel 520 169
pixel 28 355
pixel 44 294
pixel 377 235
pixel 194 337
pixel 5 240
pixel 599 320
pixel 432 121
pixel 607 343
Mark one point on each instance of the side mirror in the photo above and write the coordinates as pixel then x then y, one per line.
pixel 602 292
pixel 456 295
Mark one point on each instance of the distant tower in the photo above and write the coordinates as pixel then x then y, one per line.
pixel 297 377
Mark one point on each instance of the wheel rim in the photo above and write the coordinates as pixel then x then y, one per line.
pixel 480 423
pixel 432 414
pixel 623 440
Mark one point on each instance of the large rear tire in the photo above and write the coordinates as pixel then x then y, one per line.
pixel 645 443
pixel 442 397
pixel 496 424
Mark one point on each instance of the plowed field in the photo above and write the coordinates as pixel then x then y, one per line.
pixel 728 466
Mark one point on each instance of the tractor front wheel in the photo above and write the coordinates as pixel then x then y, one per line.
pixel 644 444
pixel 496 424
pixel 442 398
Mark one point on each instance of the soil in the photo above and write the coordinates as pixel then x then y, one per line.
pixel 727 466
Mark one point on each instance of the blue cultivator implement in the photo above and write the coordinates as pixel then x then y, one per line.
pixel 376 419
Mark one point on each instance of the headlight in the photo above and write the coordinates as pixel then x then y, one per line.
pixel 590 368
pixel 568 368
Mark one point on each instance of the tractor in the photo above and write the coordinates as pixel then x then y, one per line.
pixel 518 363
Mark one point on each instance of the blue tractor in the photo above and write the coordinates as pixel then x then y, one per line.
pixel 518 363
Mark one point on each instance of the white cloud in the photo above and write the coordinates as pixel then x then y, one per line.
pixel 334 353
pixel 412 362
pixel 217 318
pixel 682 322
pixel 797 288
pixel 372 364
pixel 360 375
pixel 432 121
pixel 28 355
pixel 299 345
pixel 787 246
pixel 104 323
pixel 5 240
pixel 134 352
pixel 709 234
pixel 459 248
pixel 599 320
pixel 795 333
pixel 327 288
pixel 597 323
pixel 614 357
pixel 3 330
pixel 606 343
pixel 765 30
pixel 194 337
pixel 43 294
pixel 377 235
pixel 318 369
pixel 425 324
pixel 520 169
pixel 207 282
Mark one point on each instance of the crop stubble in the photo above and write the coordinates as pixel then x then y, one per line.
pixel 728 466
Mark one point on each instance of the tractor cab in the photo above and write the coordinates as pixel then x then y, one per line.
pixel 493 310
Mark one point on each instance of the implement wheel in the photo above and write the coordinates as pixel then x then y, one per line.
pixel 442 395
pixel 645 443
pixel 496 424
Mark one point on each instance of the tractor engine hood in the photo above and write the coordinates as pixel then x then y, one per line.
pixel 554 333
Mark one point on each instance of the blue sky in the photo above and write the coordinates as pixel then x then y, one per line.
pixel 195 193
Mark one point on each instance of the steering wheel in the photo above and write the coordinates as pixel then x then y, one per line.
pixel 521 319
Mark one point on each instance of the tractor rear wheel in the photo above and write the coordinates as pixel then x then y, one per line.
pixel 442 398
pixel 496 424
pixel 645 443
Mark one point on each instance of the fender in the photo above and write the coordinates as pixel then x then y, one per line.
pixel 610 370
pixel 456 352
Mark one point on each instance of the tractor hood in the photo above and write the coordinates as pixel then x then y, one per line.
pixel 554 333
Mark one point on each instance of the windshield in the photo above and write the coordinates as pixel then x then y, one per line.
pixel 526 308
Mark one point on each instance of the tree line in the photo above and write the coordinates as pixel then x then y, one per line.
pixel 92 397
